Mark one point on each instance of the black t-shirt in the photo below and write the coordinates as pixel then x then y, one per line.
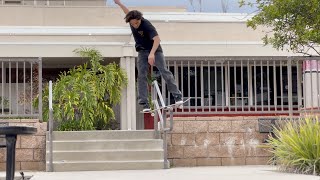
pixel 144 35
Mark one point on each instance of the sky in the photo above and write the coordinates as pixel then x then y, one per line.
pixel 207 5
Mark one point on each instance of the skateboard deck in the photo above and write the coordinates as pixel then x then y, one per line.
pixel 180 105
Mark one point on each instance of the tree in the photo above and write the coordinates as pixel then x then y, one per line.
pixel 294 24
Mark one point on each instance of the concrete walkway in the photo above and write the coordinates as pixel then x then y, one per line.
pixel 195 173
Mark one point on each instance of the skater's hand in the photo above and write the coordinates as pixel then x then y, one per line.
pixel 151 59
pixel 117 1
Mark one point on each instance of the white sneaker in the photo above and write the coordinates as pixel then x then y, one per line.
pixel 179 102
pixel 146 108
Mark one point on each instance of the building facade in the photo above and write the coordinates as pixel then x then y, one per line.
pixel 223 66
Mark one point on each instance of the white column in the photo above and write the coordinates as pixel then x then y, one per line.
pixel 123 105
pixel 132 97
pixel 128 99
pixel 311 83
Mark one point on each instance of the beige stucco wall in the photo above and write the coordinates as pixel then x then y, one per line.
pixel 111 16
pixel 204 32
pixel 69 16
pixel 185 34
pixel 215 31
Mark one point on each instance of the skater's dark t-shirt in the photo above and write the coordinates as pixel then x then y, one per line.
pixel 144 35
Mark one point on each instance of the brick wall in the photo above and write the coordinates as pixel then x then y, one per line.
pixel 30 149
pixel 216 141
pixel 195 141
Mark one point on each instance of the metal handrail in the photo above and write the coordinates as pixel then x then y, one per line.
pixel 162 129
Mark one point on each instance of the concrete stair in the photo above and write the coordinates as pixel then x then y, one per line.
pixel 105 150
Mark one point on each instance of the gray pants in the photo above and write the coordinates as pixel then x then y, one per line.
pixel 143 67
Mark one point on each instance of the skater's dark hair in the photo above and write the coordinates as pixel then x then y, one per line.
pixel 134 14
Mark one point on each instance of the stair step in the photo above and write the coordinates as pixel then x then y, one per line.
pixel 107 144
pixel 101 135
pixel 106 165
pixel 106 150
pixel 111 155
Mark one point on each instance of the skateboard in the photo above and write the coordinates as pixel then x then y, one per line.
pixel 180 105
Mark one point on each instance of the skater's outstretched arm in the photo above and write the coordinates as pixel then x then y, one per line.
pixel 123 7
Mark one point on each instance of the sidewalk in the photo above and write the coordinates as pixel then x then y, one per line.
pixel 195 173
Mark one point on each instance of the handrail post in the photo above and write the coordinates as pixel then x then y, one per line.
pixel 155 119
pixel 165 145
pixel 40 87
pixel 163 118
pixel 50 128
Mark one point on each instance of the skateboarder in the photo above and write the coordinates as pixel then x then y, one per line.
pixel 149 53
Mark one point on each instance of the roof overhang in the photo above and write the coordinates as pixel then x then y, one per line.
pixel 117 42
pixel 60 41
pixel 63 31
pixel 193 17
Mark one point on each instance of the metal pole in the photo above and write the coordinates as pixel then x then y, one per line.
pixel 182 79
pixel 17 88
pixel 275 98
pixel 10 97
pixel 299 83
pixel 50 128
pixel 24 89
pixel 165 146
pixel 31 86
pixel 40 88
pixel 235 85
pixel 155 119
pixel 290 88
pixel 209 86
pixel 196 86
pixel 216 87
pixel 189 93
pixel 3 71
pixel 201 86
pixel 222 85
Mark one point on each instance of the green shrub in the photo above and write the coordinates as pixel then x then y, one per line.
pixel 84 96
pixel 296 146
